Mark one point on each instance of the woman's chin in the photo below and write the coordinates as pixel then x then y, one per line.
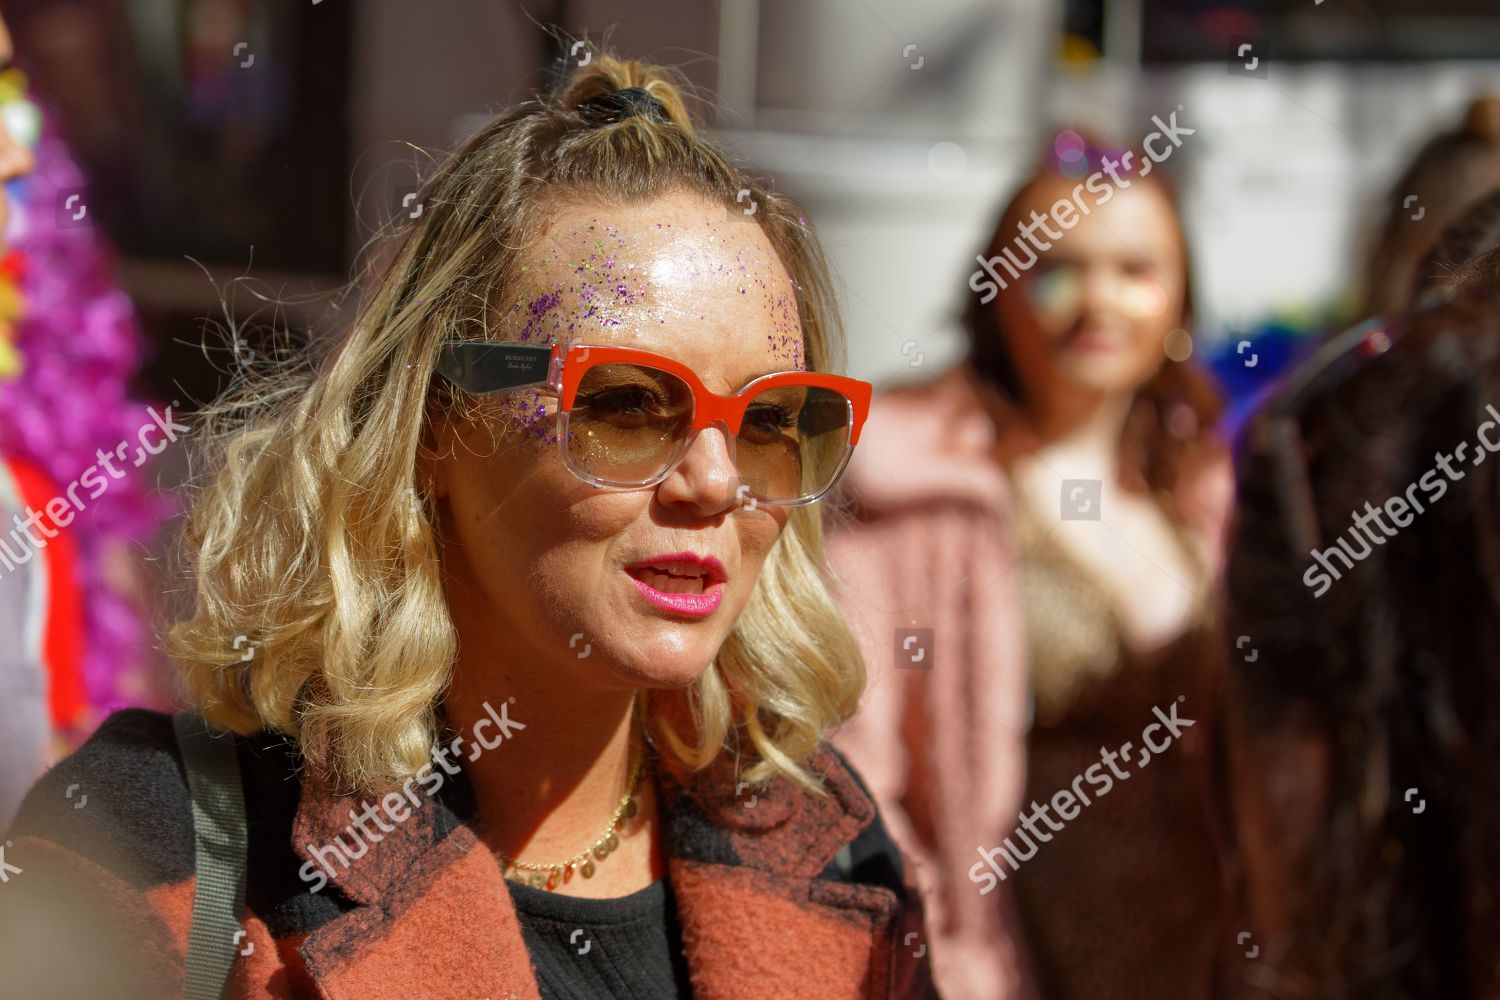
pixel 663 672
pixel 1106 374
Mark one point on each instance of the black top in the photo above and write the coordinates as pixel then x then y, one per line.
pixel 586 949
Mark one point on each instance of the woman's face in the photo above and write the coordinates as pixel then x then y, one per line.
pixel 1094 312
pixel 547 565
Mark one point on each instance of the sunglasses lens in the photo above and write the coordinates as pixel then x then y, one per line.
pixel 627 422
pixel 793 442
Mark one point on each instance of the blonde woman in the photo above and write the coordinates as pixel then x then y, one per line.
pixel 513 597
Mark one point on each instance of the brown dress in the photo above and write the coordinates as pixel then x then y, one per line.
pixel 1130 899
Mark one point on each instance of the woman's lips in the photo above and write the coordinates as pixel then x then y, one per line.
pixel 1091 340
pixel 695 604
pixel 683 583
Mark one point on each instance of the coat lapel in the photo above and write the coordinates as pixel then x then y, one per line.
pixel 756 920
pixel 432 907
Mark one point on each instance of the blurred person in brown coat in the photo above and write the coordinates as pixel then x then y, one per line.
pixel 1364 709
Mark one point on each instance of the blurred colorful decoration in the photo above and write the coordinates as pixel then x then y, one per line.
pixel 53 631
pixel 1250 364
pixel 10 310
pixel 69 346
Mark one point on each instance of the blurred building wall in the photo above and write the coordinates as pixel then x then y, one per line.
pixel 902 128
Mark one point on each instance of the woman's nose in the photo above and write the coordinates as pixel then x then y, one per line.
pixel 706 481
pixel 1101 291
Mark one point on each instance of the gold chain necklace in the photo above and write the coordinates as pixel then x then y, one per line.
pixel 551 876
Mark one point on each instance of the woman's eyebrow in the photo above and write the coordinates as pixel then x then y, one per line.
pixel 778 370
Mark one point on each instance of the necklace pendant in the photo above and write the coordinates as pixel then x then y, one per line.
pixel 630 809
pixel 554 877
pixel 538 880
pixel 588 869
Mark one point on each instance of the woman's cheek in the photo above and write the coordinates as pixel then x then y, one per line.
pixel 757 542
pixel 530 414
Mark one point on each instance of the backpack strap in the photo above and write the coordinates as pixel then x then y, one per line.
pixel 220 843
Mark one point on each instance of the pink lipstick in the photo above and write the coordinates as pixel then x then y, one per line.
pixel 683 583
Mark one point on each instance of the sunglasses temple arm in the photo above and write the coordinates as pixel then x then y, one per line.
pixel 483 367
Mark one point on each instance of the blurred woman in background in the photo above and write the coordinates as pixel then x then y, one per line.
pixel 1044 523
pixel 1451 171
pixel 1366 574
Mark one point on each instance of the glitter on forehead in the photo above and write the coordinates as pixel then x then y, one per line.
pixel 605 286
pixel 538 310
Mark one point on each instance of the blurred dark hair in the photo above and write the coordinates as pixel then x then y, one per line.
pixel 1397 663
pixel 1464 255
pixel 1175 413
pixel 1448 174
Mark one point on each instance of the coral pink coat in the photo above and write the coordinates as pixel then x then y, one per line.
pixel 941 742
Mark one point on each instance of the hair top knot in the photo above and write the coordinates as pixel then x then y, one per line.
pixel 606 109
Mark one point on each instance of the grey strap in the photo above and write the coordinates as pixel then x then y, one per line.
pixel 220 843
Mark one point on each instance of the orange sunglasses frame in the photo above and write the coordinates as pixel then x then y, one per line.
pixel 567 367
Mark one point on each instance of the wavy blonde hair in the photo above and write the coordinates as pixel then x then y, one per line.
pixel 311 537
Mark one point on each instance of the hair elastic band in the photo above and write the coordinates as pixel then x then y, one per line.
pixel 622 104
